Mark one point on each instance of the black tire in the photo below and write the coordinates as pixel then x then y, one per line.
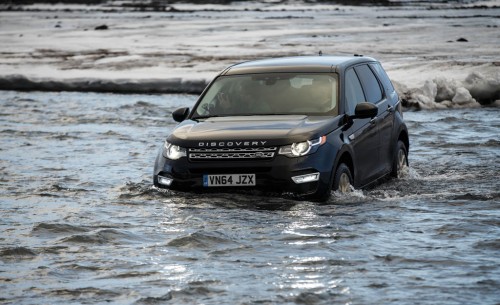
pixel 342 181
pixel 400 159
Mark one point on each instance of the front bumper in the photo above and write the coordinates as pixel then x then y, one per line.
pixel 274 175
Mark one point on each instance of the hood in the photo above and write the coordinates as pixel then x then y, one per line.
pixel 251 131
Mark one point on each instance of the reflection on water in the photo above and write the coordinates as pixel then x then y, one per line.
pixel 81 222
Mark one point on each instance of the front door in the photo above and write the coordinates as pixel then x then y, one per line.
pixel 363 134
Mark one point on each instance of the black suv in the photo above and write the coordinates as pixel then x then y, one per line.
pixel 304 125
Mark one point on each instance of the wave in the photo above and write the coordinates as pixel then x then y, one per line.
pixel 492 244
pixel 102 237
pixel 91 294
pixel 57 228
pixel 187 295
pixel 17 252
pixel 200 240
pixel 436 261
pixel 56 190
pixel 143 189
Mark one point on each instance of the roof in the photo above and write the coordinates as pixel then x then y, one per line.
pixel 297 64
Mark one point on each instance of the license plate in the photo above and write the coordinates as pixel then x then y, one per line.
pixel 229 180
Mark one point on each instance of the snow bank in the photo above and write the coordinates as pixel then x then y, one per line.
pixel 476 90
pixel 484 89
pixel 439 93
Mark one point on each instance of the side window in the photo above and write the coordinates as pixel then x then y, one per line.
pixel 370 84
pixel 353 91
pixel 386 82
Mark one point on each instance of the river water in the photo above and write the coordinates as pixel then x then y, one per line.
pixel 81 223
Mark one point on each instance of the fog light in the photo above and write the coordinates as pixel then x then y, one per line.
pixel 165 181
pixel 306 178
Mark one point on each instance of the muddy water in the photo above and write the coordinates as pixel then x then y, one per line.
pixel 80 222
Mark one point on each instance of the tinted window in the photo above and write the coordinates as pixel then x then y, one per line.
pixel 353 91
pixel 386 82
pixel 370 84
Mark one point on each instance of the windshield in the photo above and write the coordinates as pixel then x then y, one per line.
pixel 277 93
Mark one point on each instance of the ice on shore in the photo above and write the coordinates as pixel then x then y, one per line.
pixel 146 86
pixel 440 92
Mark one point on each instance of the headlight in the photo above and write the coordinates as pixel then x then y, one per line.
pixel 174 152
pixel 302 148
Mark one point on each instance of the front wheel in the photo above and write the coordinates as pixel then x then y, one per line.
pixel 400 163
pixel 342 182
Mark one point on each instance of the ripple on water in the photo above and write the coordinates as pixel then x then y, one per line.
pixel 201 239
pixel 489 244
pixel 104 237
pixel 90 294
pixel 191 294
pixel 17 253
pixel 57 229
pixel 74 231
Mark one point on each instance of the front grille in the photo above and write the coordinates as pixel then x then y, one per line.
pixel 260 153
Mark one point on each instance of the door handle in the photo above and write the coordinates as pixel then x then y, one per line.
pixel 390 108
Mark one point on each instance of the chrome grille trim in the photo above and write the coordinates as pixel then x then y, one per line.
pixel 232 153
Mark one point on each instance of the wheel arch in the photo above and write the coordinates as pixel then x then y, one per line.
pixel 346 158
pixel 403 136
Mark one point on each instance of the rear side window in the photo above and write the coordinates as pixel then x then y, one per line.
pixel 386 82
pixel 370 84
pixel 353 91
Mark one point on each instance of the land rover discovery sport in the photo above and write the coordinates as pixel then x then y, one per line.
pixel 305 125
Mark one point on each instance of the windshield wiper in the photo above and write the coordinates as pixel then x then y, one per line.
pixel 206 116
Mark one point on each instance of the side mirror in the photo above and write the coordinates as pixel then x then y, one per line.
pixel 365 111
pixel 180 114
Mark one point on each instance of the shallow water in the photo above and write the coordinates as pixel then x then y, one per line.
pixel 82 224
